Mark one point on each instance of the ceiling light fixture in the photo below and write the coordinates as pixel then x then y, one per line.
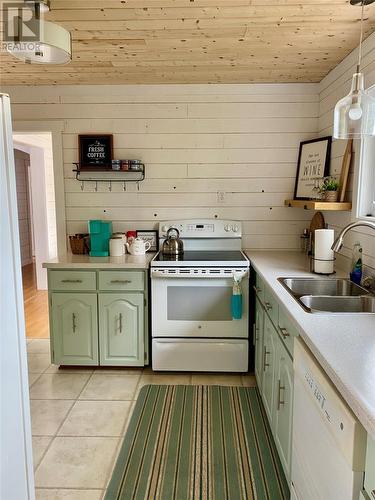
pixel 354 115
pixel 54 44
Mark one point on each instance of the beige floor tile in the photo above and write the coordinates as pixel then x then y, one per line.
pixel 38 363
pixel 215 379
pixel 118 371
pixel 68 369
pixel 130 413
pixel 47 415
pixel 33 377
pixel 110 387
pixel 61 494
pixel 38 346
pixel 96 418
pixel 77 462
pixel 55 386
pixel 40 444
pixel 249 381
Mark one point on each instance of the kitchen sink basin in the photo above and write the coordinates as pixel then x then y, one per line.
pixel 312 286
pixel 358 304
pixel 329 295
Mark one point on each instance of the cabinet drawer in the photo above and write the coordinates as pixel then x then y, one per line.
pixel 121 280
pixel 72 280
pixel 287 331
pixel 271 306
pixel 259 288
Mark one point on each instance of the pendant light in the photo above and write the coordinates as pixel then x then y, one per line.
pixel 54 45
pixel 354 115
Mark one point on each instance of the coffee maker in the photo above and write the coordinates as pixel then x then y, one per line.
pixel 100 234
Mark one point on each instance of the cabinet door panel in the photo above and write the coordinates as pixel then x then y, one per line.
pixel 284 407
pixel 74 328
pixel 269 353
pixel 370 467
pixel 258 340
pixel 121 329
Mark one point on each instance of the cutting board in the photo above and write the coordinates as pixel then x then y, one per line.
pixel 317 222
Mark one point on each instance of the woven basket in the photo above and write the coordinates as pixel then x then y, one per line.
pixel 78 244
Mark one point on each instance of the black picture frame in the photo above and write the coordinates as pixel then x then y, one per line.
pixel 149 235
pixel 315 163
pixel 95 151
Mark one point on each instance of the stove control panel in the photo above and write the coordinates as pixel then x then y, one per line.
pixel 206 228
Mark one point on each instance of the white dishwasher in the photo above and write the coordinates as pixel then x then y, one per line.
pixel 329 443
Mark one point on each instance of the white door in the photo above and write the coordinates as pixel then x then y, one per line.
pixel 16 480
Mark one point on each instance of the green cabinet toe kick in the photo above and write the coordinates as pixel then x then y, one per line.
pixel 98 318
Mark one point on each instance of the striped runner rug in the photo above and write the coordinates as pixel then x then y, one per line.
pixel 198 442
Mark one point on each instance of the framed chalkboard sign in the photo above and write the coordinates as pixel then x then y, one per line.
pixel 313 166
pixel 95 150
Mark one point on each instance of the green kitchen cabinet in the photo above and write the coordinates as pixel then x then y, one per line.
pixel 283 406
pixel 74 328
pixel 370 468
pixel 269 358
pixel 121 329
pixel 98 316
pixel 274 338
pixel 258 341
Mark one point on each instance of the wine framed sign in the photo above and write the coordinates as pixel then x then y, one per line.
pixel 95 150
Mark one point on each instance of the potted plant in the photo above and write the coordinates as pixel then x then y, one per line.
pixel 330 189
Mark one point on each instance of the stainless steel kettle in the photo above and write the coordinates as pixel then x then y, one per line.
pixel 173 245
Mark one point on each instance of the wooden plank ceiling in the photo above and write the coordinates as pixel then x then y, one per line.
pixel 197 41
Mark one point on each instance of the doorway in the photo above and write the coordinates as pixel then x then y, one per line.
pixel 37 224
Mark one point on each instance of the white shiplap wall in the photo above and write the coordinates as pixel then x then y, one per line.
pixel 226 151
pixel 332 88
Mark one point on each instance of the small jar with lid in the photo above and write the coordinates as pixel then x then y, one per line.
pixel 135 165
pixel 116 164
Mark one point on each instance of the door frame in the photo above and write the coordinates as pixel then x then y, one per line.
pixel 56 128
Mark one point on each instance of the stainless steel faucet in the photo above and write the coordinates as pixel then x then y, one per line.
pixel 337 244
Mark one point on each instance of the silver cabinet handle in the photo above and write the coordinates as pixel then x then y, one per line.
pixel 284 332
pixel 279 401
pixel 265 354
pixel 268 306
pixel 257 289
pixel 74 323
pixel 71 281
pixel 120 322
pixel 123 282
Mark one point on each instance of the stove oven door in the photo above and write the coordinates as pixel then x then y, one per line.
pixel 197 307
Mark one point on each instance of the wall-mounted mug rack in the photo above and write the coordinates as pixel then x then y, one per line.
pixel 108 175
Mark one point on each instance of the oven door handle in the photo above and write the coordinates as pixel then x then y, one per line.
pixel 178 275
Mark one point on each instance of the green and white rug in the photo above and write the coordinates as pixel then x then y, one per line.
pixel 198 442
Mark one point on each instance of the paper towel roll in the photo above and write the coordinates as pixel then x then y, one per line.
pixel 323 254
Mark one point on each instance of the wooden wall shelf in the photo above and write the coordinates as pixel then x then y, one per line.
pixel 319 205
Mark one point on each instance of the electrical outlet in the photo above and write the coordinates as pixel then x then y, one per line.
pixel 220 197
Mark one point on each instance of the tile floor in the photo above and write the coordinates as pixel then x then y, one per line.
pixel 79 417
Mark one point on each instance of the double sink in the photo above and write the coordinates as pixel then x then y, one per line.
pixel 329 295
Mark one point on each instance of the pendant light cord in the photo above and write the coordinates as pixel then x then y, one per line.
pixel 361 38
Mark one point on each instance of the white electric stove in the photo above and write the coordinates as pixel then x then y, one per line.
pixel 192 324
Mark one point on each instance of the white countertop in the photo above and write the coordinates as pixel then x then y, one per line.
pixel 343 343
pixel 70 261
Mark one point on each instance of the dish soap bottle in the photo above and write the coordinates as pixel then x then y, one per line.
pixel 356 273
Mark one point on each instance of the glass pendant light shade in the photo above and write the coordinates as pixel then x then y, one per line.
pixel 354 115
pixel 53 47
